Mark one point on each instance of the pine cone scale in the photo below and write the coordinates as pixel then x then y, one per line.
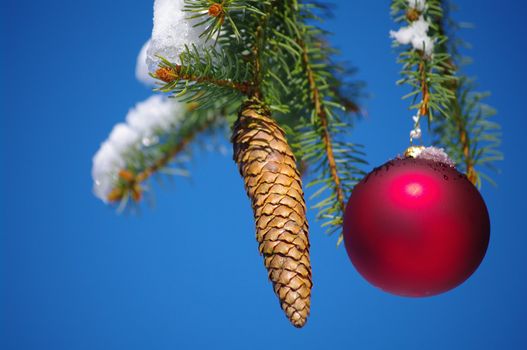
pixel 280 262
pixel 273 184
pixel 273 234
pixel 278 209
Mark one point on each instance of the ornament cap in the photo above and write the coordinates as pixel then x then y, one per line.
pixel 429 153
pixel 413 151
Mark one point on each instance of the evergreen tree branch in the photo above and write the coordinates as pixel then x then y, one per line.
pixel 326 136
pixel 425 91
pixel 455 107
pixel 461 121
pixel 464 139
pixel 173 75
pixel 131 183
pixel 463 134
pixel 257 63
pixel 215 13
pixel 201 78
pixel 470 138
pixel 168 145
pixel 315 84
pixel 424 72
pixel 173 151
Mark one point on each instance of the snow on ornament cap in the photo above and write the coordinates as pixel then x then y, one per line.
pixel 429 153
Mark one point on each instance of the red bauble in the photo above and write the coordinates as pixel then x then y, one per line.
pixel 416 227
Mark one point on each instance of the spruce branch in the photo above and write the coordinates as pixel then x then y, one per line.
pixel 161 150
pixel 469 135
pixel 257 60
pixel 324 126
pixel 425 91
pixel 212 14
pixel 332 162
pixel 464 139
pixel 173 151
pixel 173 75
pixel 201 78
pixel 423 67
pixel 461 120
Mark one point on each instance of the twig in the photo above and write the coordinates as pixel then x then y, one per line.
pixel 326 136
pixel 133 181
pixel 169 75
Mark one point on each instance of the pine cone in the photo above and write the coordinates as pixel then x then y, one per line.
pixel 274 186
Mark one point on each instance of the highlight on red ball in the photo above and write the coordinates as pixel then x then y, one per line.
pixel 416 227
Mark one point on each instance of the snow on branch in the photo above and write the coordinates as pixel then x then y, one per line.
pixel 173 31
pixel 147 118
pixel 417 35
pixel 141 68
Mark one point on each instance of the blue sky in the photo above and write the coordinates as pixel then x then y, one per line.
pixel 186 274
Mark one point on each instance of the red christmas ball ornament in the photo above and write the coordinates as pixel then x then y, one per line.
pixel 415 226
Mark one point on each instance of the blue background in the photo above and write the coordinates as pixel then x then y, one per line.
pixel 186 274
